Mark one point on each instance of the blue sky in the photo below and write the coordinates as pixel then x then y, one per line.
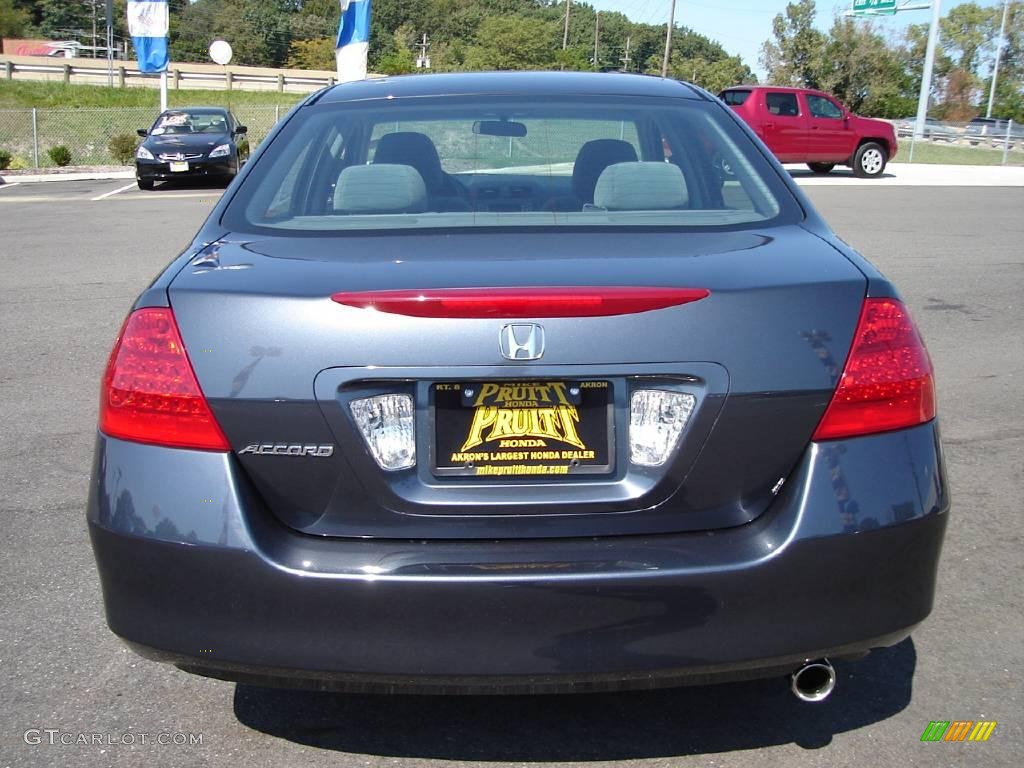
pixel 741 26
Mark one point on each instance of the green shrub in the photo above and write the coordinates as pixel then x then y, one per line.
pixel 122 148
pixel 19 164
pixel 60 155
pixel 5 159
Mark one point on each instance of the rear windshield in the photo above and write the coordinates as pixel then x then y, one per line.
pixel 734 98
pixel 467 162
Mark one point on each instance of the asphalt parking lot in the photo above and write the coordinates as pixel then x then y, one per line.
pixel 73 255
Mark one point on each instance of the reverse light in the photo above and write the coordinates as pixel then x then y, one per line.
pixel 143 154
pixel 150 392
pixel 539 301
pixel 221 151
pixel 887 382
pixel 656 420
pixel 388 427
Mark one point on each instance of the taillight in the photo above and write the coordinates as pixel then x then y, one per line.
pixel 539 301
pixel 887 382
pixel 150 392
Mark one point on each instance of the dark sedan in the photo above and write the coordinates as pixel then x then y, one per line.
pixel 191 143
pixel 496 382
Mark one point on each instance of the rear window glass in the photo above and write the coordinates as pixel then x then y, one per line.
pixel 467 162
pixel 735 98
pixel 782 104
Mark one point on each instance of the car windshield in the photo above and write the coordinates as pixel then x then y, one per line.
pixel 462 162
pixel 190 122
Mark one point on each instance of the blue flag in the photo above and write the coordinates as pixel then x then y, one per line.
pixel 147 24
pixel 353 40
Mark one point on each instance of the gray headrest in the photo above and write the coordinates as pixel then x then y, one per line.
pixel 641 186
pixel 592 159
pixel 411 148
pixel 380 188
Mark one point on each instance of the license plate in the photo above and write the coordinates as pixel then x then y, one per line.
pixel 176 167
pixel 539 429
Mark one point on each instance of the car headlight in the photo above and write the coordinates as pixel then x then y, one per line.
pixel 222 151
pixel 143 154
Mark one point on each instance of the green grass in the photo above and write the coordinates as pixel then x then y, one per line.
pixel 45 95
pixel 936 153
pixel 84 118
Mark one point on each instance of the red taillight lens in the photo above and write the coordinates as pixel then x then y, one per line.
pixel 541 301
pixel 150 392
pixel 887 382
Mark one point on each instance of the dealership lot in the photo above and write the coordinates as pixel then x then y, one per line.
pixel 75 254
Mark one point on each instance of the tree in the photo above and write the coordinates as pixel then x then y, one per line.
pixel 314 53
pixel 712 75
pixel 259 30
pixel 860 68
pixel 515 42
pixel 1009 101
pixel 64 18
pixel 13 20
pixel 401 60
pixel 794 56
pixel 966 32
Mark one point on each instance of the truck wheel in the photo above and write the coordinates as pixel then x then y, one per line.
pixel 821 167
pixel 145 183
pixel 869 160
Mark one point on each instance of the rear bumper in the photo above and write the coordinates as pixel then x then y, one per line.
pixel 233 594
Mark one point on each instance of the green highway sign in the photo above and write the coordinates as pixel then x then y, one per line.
pixel 866 7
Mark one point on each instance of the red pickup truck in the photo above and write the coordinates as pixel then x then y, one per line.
pixel 804 126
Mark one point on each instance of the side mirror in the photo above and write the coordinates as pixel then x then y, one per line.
pixel 142 132
pixel 241 129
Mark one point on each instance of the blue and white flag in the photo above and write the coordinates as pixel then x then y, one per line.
pixel 147 24
pixel 353 40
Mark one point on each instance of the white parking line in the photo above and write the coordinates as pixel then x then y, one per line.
pixel 113 192
pixel 9 185
pixel 169 195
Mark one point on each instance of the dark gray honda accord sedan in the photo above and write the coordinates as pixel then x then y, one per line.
pixel 516 382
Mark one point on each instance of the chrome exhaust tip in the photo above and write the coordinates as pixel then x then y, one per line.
pixel 814 681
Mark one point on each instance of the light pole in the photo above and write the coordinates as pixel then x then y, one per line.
pixel 668 39
pixel 999 54
pixel 929 65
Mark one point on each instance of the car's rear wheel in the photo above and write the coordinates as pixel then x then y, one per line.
pixel 869 160
pixel 146 184
pixel 821 167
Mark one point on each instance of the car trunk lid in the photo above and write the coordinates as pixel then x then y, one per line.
pixel 282 363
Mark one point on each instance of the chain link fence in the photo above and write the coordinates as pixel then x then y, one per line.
pixel 29 134
pixel 982 141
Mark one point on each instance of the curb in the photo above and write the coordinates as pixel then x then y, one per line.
pixel 84 176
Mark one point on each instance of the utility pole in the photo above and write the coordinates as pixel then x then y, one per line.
pixel 110 43
pixel 668 39
pixel 999 54
pixel 625 59
pixel 929 65
pixel 597 33
pixel 423 61
pixel 565 32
